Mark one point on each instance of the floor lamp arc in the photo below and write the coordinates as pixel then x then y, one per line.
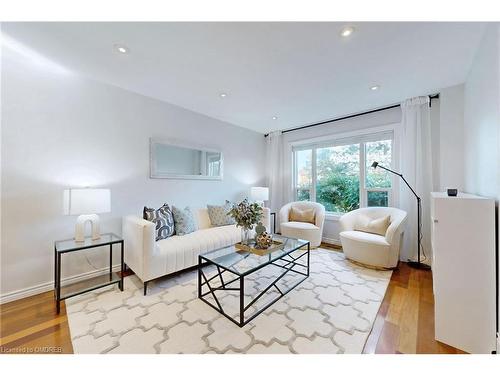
pixel 418 264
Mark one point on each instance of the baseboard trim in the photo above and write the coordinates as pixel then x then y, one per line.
pixel 48 286
pixel 331 241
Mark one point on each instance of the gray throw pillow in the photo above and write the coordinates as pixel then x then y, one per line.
pixel 219 215
pixel 184 221
pixel 163 219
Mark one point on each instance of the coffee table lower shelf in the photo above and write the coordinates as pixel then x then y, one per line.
pixel 238 283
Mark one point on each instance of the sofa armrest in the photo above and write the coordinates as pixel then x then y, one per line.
pixel 348 221
pixel 395 229
pixel 139 237
pixel 320 215
pixel 284 213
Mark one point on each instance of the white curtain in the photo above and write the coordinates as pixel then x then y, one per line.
pixel 275 175
pixel 416 167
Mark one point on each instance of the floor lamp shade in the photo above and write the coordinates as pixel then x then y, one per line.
pixel 86 203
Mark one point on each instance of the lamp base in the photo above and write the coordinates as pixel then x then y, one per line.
pixel 80 227
pixel 419 265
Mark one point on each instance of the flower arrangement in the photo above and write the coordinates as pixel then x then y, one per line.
pixel 246 214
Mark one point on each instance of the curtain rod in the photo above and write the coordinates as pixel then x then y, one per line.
pixel 435 96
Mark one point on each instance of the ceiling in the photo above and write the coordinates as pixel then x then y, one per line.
pixel 300 72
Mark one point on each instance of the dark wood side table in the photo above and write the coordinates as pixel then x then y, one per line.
pixel 74 289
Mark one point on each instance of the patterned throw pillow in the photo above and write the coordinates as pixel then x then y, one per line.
pixel 163 219
pixel 218 215
pixel 184 221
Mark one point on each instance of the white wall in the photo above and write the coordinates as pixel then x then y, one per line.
pixel 451 138
pixel 60 130
pixel 435 114
pixel 482 121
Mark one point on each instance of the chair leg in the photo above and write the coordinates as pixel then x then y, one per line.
pixel 145 287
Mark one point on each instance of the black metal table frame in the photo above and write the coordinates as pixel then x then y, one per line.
pixel 273 214
pixel 57 270
pixel 289 267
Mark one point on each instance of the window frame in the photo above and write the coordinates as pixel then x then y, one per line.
pixel 388 132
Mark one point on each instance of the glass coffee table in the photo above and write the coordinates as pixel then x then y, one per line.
pixel 224 274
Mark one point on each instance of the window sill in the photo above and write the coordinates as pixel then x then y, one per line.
pixel 332 217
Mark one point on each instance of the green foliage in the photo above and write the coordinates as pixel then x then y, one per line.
pixel 338 193
pixel 377 199
pixel 337 170
pixel 303 195
pixel 246 214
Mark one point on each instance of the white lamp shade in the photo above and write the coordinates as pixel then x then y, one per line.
pixel 86 201
pixel 259 193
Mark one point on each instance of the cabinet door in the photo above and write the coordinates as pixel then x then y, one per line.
pixel 464 273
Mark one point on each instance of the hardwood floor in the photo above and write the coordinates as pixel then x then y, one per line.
pixel 31 325
pixel 404 323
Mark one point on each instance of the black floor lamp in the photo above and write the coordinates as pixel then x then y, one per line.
pixel 418 264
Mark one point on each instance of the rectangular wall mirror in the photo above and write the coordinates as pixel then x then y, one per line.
pixel 173 159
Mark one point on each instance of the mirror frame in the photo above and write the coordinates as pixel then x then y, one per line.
pixel 183 144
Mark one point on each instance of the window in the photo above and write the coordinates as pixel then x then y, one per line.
pixel 378 181
pixel 337 182
pixel 303 176
pixel 338 173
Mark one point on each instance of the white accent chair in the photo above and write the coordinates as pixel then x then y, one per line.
pixel 306 231
pixel 373 249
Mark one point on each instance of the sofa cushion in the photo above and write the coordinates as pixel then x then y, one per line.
pixel 305 215
pixel 163 220
pixel 184 221
pixel 299 225
pixel 219 214
pixel 365 237
pixel 378 226
pixel 202 218
pixel 182 251
pixel 295 229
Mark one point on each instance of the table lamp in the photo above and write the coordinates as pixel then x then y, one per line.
pixel 259 194
pixel 86 203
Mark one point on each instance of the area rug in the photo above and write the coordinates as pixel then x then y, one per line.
pixel 332 311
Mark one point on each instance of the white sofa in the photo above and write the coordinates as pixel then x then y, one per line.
pixel 150 259
pixel 373 249
pixel 306 231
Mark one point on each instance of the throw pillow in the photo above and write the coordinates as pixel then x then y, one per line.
pixel 163 219
pixel 305 215
pixel 376 226
pixel 184 221
pixel 219 215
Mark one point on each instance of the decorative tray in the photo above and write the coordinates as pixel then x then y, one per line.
pixel 276 245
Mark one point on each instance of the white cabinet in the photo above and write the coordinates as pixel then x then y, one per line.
pixel 463 242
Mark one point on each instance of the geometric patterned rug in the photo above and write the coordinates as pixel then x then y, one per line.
pixel 332 311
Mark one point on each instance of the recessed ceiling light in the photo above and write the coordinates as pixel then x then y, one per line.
pixel 222 94
pixel 121 48
pixel 346 31
pixel 275 117
pixel 374 88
